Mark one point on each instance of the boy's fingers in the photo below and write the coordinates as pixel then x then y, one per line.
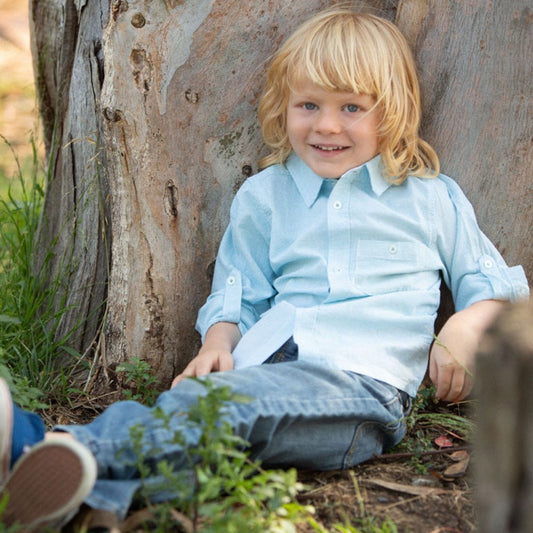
pixel 445 380
pixel 202 366
pixel 456 387
pixel 226 362
pixel 453 385
pixel 180 377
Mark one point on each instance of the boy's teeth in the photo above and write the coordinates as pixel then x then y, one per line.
pixel 329 148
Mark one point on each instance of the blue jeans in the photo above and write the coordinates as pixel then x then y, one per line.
pixel 301 415
pixel 28 428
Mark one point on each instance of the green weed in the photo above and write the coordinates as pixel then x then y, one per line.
pixel 28 348
pixel 219 488
pixel 427 420
pixel 140 380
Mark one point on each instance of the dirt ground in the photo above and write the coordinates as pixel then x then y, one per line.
pixel 414 493
pixel 394 489
pixel 419 493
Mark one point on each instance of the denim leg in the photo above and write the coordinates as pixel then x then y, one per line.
pixel 300 415
pixel 28 429
pixel 286 353
pixel 314 417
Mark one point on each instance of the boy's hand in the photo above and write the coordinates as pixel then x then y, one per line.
pixel 215 354
pixel 452 357
pixel 451 360
pixel 204 363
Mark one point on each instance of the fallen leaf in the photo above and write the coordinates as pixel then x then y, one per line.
pixel 443 442
pixel 407 489
pixel 457 469
pixel 459 455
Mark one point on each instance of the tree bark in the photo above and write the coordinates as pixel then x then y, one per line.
pixel 474 60
pixel 504 439
pixel 72 251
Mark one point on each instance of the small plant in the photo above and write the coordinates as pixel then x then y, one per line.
pixel 427 420
pixel 29 349
pixel 23 337
pixel 141 382
pixel 220 488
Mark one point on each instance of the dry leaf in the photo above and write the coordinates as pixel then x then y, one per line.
pixel 443 442
pixel 457 469
pixel 407 489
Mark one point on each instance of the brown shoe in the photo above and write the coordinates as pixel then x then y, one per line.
pixel 48 484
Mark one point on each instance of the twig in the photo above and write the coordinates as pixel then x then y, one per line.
pixel 407 455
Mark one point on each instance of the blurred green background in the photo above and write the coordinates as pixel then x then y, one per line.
pixel 18 104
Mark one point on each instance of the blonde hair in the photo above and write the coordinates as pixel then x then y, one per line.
pixel 341 50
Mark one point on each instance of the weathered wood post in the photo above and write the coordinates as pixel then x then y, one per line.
pixel 504 438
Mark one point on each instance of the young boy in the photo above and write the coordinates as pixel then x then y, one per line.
pixel 326 285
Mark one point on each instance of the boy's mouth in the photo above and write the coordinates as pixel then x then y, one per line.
pixel 325 148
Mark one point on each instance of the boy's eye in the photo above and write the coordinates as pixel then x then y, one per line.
pixel 309 106
pixel 352 108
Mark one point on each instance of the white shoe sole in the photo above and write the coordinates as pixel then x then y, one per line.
pixel 6 430
pixel 48 483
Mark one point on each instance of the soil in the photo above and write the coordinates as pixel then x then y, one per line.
pixel 413 493
pixel 419 492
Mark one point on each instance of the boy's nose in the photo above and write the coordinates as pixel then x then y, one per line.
pixel 327 122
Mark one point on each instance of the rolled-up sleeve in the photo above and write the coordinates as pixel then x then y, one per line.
pixel 242 282
pixel 474 269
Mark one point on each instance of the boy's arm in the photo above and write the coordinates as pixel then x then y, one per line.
pixel 215 353
pixel 452 356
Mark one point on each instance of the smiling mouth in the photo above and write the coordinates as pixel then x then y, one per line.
pixel 328 148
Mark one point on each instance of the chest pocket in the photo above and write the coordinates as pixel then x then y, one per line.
pixel 388 266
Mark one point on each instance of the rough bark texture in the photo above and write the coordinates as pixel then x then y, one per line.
pixel 475 67
pixel 504 440
pixel 66 47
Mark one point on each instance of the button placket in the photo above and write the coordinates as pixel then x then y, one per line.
pixel 339 238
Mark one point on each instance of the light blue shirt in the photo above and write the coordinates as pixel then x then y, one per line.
pixel 351 268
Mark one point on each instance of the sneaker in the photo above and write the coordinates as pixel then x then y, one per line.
pixel 48 484
pixel 6 430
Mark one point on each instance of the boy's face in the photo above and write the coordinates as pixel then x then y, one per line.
pixel 332 132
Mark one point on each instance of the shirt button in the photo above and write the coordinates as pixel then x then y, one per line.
pixel 393 249
pixel 231 280
pixel 337 205
pixel 488 263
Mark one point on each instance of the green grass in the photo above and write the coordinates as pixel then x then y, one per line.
pixel 28 348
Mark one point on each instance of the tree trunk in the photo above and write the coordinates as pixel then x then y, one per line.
pixel 67 55
pixel 174 87
pixel 475 66
pixel 504 440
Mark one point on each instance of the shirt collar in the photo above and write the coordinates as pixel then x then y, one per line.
pixel 309 183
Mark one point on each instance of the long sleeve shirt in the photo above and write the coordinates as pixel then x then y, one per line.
pixel 351 268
